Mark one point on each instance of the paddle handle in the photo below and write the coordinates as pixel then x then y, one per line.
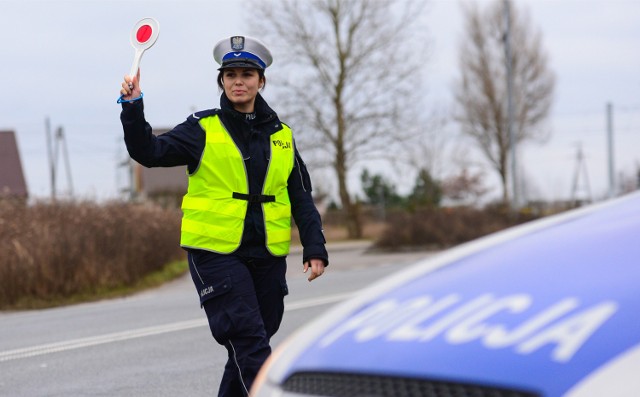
pixel 136 62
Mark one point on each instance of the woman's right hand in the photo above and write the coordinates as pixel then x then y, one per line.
pixel 131 87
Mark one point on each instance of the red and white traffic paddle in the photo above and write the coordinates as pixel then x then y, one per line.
pixel 143 36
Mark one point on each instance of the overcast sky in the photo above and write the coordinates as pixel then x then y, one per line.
pixel 65 60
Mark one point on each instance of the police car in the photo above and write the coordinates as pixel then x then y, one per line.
pixel 549 308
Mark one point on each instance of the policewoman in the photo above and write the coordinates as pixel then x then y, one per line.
pixel 246 181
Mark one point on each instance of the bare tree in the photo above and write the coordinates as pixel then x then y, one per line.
pixel 466 188
pixel 352 87
pixel 481 92
pixel 434 148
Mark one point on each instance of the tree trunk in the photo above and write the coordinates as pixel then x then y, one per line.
pixel 506 200
pixel 505 189
pixel 351 209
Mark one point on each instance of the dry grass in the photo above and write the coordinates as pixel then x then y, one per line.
pixel 56 251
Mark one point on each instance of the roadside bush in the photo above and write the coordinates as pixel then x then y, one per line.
pixel 437 228
pixel 53 251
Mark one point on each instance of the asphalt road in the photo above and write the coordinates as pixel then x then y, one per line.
pixel 157 343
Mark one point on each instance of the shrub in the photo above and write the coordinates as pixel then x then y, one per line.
pixel 437 228
pixel 53 251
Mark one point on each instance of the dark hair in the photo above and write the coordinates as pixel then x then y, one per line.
pixel 260 76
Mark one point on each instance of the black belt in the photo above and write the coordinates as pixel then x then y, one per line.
pixel 254 198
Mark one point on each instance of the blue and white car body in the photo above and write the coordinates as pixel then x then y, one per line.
pixel 549 308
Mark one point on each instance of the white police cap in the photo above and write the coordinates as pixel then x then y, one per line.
pixel 242 52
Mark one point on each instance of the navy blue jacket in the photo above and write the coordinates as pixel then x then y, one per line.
pixel 184 144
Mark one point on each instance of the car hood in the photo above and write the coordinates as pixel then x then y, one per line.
pixel 537 308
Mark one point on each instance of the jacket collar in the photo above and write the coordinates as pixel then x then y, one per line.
pixel 264 113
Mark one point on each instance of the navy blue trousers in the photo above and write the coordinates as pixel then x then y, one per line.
pixel 243 299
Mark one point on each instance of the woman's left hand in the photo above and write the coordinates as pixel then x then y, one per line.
pixel 317 268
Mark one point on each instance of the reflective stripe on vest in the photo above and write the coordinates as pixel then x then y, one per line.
pixel 212 218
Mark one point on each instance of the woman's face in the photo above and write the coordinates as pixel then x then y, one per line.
pixel 241 86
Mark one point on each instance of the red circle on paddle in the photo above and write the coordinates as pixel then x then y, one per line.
pixel 144 33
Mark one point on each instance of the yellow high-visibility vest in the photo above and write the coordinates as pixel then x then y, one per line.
pixel 217 198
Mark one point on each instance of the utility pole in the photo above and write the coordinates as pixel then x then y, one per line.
pixel 510 109
pixel 52 160
pixel 610 150
pixel 61 138
pixel 581 166
pixel 53 146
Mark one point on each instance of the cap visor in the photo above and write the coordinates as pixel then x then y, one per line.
pixel 240 64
